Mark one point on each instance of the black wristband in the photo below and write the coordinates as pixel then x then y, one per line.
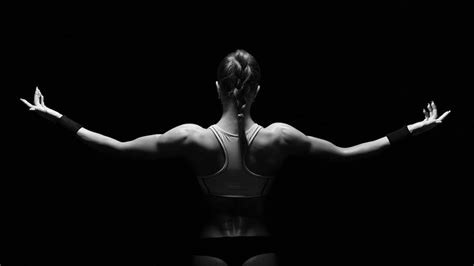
pixel 399 135
pixel 68 124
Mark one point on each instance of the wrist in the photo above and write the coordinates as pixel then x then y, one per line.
pixel 398 136
pixel 53 113
pixel 68 124
pixel 414 128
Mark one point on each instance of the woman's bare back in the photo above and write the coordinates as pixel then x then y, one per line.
pixel 264 155
pixel 237 216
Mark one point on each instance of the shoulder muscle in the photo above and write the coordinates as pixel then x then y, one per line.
pixel 184 134
pixel 292 141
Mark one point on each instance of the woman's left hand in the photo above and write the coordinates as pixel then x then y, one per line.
pixel 40 108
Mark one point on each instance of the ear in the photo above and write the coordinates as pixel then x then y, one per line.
pixel 218 89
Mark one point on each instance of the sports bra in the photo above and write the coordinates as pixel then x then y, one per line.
pixel 234 179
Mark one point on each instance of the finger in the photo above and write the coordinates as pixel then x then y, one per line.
pixel 429 109
pixel 37 96
pixel 27 103
pixel 435 110
pixel 443 116
pixel 427 115
pixel 41 99
pixel 32 109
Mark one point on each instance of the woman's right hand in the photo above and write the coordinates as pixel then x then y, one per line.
pixel 40 108
pixel 430 121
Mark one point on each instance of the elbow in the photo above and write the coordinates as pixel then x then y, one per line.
pixel 120 147
pixel 110 146
pixel 346 154
pixel 338 154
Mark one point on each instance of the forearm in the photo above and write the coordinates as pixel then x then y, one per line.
pixel 99 141
pixel 93 139
pixel 140 146
pixel 333 152
pixel 366 148
pixel 392 139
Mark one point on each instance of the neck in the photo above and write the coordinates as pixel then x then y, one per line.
pixel 229 119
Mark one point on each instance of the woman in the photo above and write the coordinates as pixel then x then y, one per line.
pixel 235 160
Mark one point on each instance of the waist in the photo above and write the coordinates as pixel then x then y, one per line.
pixel 233 226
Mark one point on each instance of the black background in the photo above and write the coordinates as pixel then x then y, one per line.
pixel 347 74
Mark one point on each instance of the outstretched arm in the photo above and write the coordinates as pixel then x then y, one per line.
pixel 174 142
pixel 299 144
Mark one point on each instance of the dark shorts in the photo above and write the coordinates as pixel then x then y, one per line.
pixel 234 250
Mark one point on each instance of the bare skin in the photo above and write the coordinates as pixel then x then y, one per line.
pixel 270 148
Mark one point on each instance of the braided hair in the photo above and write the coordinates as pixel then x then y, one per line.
pixel 238 75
